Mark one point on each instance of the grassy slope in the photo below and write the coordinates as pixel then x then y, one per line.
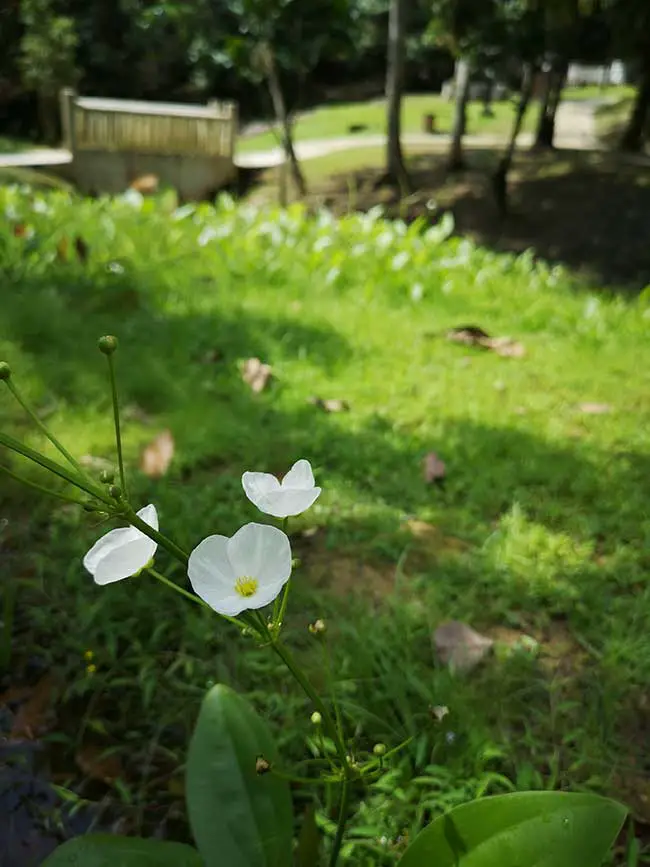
pixel 541 528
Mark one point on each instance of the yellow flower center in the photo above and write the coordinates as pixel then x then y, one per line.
pixel 246 586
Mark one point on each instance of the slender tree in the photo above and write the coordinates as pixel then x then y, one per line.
pixel 395 169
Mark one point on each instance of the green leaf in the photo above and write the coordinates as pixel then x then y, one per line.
pixel 239 817
pixel 107 850
pixel 307 853
pixel 524 829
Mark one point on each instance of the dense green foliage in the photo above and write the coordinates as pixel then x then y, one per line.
pixel 166 49
pixel 537 536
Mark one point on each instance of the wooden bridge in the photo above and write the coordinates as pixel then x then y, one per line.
pixel 108 143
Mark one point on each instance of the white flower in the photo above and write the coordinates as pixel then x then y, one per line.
pixel 246 571
pixel 296 493
pixel 123 552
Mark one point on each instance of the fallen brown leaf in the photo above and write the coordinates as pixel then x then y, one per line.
pixel 433 469
pixel 34 715
pixel 504 346
pixel 145 184
pixel 459 646
pixel 594 408
pixel 468 334
pixel 98 764
pixel 333 404
pixel 256 374
pixel 157 455
pixel 472 335
pixel 20 230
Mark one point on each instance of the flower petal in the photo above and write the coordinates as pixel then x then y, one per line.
pixel 258 485
pixel 299 476
pixel 149 515
pixel 283 504
pixel 209 570
pixel 124 559
pixel 107 545
pixel 262 552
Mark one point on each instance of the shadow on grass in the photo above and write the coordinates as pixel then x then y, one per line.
pixel 589 501
pixel 588 211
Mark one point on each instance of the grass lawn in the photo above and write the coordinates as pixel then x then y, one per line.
pixel 538 536
pixel 334 121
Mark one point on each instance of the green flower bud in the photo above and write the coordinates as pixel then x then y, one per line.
pixel 316 718
pixel 115 492
pixel 107 477
pixel 107 344
pixel 5 370
pixel 379 749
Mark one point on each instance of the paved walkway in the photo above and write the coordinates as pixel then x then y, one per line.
pixel 575 129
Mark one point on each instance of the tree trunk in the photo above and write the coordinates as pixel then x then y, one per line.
pixel 282 115
pixel 500 177
pixel 395 170
pixel 637 127
pixel 456 160
pixel 552 97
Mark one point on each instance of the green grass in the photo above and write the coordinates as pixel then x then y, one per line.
pixel 540 529
pixel 333 121
pixel 10 144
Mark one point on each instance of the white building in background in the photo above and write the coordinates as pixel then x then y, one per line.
pixel 581 74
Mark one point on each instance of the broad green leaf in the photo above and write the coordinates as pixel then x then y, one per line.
pixel 239 817
pixel 108 850
pixel 309 840
pixel 523 829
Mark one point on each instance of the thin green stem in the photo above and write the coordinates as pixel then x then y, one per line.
pixel 39 488
pixel 178 589
pixel 54 467
pixel 308 689
pixel 278 603
pixel 187 594
pixel 157 536
pixel 43 429
pixel 116 418
pixel 340 825
pixel 279 620
pixel 330 683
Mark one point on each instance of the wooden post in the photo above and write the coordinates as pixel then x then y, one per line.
pixel 67 98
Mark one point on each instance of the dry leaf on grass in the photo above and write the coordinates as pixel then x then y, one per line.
pixel 157 456
pixel 35 714
pixel 332 404
pixel 99 764
pixel 459 646
pixel 433 469
pixel 594 408
pixel 473 335
pixel 146 185
pixel 256 374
